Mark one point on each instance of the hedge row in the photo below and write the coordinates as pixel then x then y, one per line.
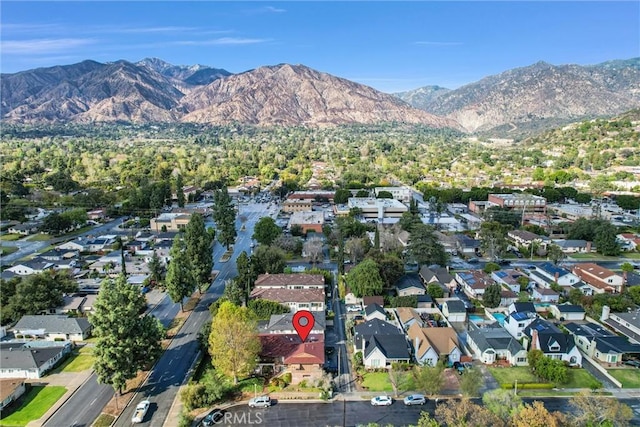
pixel 509 386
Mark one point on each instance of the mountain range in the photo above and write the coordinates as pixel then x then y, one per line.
pixel 153 90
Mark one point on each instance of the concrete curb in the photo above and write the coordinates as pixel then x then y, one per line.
pixel 60 403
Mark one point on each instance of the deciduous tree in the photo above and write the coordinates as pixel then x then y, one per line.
pixel 464 413
pixel 493 239
pixel 471 381
pixel 536 415
pixel 429 379
pixel 233 342
pixel 266 231
pixel 591 410
pixel 503 403
pixel 364 279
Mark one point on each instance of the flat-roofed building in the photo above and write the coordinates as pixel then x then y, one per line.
pixel 308 221
pixel 377 208
pixel 528 202
pixel 297 205
pixel 402 194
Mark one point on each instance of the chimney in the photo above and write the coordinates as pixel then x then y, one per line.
pixel 534 339
pixel 417 345
pixel 605 313
pixel 556 277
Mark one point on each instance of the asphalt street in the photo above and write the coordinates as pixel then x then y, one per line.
pixel 353 413
pixel 171 370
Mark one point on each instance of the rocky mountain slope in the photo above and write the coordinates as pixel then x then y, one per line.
pixel 541 93
pixel 422 97
pixel 155 91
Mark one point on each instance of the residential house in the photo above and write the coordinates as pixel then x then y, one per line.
pixel 57 254
pixel 98 244
pixel 492 343
pixel 450 243
pixel 438 275
pixel 545 336
pixel 628 324
pixel 21 360
pixel 10 390
pixel 567 312
pixel 600 279
pixel 286 353
pixel 283 324
pixel 522 307
pixel 97 214
pixel 507 297
pixel 526 238
pixel 574 246
pixel 290 281
pixel 34 266
pixel 600 343
pixel 71 304
pixel 375 311
pixel 73 245
pixel 467 245
pixel 547 273
pixel 295 299
pixel 545 295
pixel 409 284
pixel 308 221
pixel 53 327
pixel 381 344
pixel 474 282
pixel 510 278
pixel 516 322
pixel 454 310
pixel 432 344
pixel 25 229
pixel 373 299
pixel 628 241
pixel 408 317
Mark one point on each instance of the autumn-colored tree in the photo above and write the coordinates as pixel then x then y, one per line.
pixel 464 413
pixel 594 410
pixel 233 342
pixel 429 379
pixel 536 415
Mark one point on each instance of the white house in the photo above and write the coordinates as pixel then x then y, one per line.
pixel 600 279
pixel 493 343
pixel 374 311
pixel 53 328
pixel 547 273
pixel 21 360
pixel 545 295
pixel 545 336
pixel 515 323
pixel 28 268
pixel 568 312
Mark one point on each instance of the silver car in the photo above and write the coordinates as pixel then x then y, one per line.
pixel 415 399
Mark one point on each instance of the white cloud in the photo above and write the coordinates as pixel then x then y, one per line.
pixel 39 46
pixel 274 9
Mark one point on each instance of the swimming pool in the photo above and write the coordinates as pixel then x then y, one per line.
pixel 476 319
pixel 500 318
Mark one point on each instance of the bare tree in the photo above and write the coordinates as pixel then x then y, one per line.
pixel 313 249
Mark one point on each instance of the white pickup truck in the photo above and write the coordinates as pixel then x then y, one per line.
pixel 141 411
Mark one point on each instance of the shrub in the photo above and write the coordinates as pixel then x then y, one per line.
pixel 287 378
pixel 194 396
pixel 185 420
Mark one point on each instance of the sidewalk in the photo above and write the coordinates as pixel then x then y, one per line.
pixel 71 380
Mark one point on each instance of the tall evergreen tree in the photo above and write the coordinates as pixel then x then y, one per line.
pixel 424 247
pixel 125 341
pixel 180 191
pixel 224 215
pixel 199 252
pixel 180 281
pixel 245 277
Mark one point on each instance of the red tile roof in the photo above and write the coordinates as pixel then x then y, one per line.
pixel 307 354
pixel 291 349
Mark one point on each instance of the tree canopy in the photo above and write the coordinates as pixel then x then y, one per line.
pixel 266 231
pixel 364 279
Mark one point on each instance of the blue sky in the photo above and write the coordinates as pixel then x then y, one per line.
pixel 391 46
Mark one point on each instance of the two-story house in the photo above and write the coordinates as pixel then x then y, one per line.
pixel 431 344
pixel 545 336
pixel 598 278
pixel 474 282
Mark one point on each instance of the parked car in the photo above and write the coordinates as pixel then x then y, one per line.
pixel 634 363
pixel 353 308
pixel 381 401
pixel 260 402
pixel 458 367
pixel 212 418
pixel 415 399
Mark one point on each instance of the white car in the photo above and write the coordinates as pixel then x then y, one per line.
pixel 260 402
pixel 353 308
pixel 140 412
pixel 381 401
pixel 415 399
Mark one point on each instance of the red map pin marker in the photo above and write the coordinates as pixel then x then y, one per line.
pixel 303 322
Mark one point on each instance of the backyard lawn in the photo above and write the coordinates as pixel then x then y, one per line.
pixel 34 405
pixel 578 378
pixel 630 378
pixel 10 237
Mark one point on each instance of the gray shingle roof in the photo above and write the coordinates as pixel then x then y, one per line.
pixel 53 324
pixel 392 346
pixel 494 337
pixel 27 358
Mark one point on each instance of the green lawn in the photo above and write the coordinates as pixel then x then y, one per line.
pixel 631 255
pixel 578 378
pixel 630 378
pixel 78 361
pixel 40 237
pixel 510 375
pixel 10 237
pixel 34 405
pixel 379 381
pixel 6 250
pixel 104 420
